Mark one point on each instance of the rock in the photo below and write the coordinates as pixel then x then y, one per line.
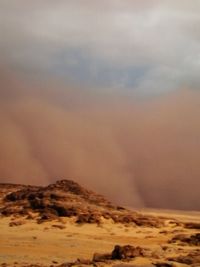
pixel 179 237
pixel 66 198
pixel 61 211
pixel 67 264
pixel 126 252
pixel 83 261
pixel 46 216
pixel 190 258
pixel 163 264
pixel 101 257
pixel 133 265
pixel 158 253
pixel 192 225
pixel 193 240
pixel 37 204
pixel 119 253
pixel 170 249
pixel 147 252
pixel 16 223
pixel 58 226
pixel 88 218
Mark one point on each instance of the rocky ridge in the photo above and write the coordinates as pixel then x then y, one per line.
pixel 66 198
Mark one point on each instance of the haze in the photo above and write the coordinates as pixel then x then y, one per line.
pixel 105 93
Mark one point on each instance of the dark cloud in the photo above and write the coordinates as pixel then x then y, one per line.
pixel 158 37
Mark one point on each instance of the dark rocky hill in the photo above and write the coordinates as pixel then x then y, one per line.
pixel 66 198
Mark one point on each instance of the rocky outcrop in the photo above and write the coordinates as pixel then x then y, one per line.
pixel 192 225
pixel 89 218
pixel 191 259
pixel 66 198
pixel 119 253
pixel 193 240
pixel 126 252
pixel 101 257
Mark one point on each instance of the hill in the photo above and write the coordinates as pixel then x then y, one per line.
pixel 66 198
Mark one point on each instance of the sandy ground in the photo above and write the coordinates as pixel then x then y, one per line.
pixel 46 243
pixel 185 216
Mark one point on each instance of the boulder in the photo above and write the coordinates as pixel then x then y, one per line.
pixel 126 252
pixel 101 257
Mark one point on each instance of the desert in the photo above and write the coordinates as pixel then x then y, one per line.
pixel 65 224
pixel 99 133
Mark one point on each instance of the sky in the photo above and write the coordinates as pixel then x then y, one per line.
pixel 103 92
pixel 116 44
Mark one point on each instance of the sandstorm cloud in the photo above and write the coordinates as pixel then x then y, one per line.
pixel 140 154
pixel 105 93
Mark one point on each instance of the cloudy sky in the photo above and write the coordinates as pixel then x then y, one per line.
pixel 105 93
pixel 150 47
